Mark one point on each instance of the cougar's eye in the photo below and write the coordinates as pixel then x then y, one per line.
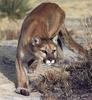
pixel 53 51
pixel 44 51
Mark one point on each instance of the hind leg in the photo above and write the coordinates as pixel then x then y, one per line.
pixel 71 44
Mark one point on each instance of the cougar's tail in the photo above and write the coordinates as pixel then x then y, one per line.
pixel 71 44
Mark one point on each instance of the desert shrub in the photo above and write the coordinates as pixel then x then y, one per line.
pixel 14 8
pixel 11 12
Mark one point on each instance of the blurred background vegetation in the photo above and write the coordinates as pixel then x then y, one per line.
pixel 12 13
pixel 14 9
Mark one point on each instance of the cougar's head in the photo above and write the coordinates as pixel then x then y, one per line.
pixel 45 51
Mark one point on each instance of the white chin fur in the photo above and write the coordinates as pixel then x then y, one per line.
pixel 53 61
pixel 48 62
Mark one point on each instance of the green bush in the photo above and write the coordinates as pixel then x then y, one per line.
pixel 14 9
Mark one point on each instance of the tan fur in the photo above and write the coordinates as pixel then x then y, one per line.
pixel 44 22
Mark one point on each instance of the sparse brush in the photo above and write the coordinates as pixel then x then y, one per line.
pixel 86 24
pixel 81 77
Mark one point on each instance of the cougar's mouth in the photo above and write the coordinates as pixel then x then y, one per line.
pixel 49 61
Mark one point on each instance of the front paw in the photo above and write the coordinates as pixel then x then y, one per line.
pixel 22 91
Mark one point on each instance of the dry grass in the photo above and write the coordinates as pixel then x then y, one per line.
pixel 9 29
pixel 49 78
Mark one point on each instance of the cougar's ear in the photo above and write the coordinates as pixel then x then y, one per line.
pixel 36 41
pixel 55 39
